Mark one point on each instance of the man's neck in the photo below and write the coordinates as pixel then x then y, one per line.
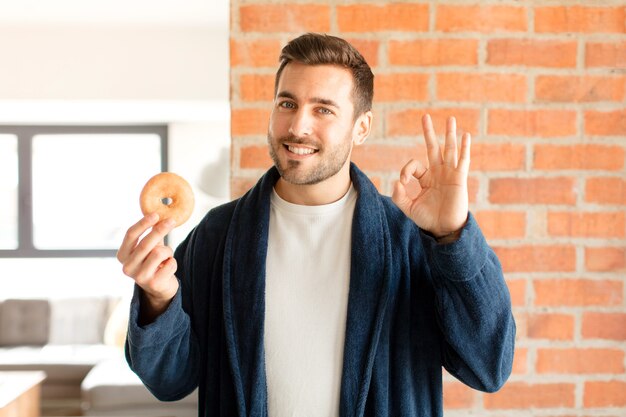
pixel 325 192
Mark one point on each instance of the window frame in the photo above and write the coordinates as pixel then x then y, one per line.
pixel 25 134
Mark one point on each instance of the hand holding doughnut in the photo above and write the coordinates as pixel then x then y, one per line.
pixel 169 196
pixel 151 264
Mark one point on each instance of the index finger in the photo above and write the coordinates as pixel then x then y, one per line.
pixel 432 144
pixel 131 238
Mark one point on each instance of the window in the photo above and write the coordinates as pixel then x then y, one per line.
pixel 73 191
pixel 8 191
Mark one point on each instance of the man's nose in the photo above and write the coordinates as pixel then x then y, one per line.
pixel 301 124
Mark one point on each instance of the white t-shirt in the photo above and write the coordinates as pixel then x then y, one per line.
pixel 306 300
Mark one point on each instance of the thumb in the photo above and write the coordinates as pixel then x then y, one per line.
pixel 401 198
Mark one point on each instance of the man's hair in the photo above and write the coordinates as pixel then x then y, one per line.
pixel 322 49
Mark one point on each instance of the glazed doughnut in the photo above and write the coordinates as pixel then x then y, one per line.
pixel 168 195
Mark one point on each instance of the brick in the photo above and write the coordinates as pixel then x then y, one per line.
pixel 408 122
pixel 273 18
pixel 532 53
pixel 254 52
pixel 401 86
pixel 580 361
pixel 457 396
pixel 605 259
pixel 497 156
pixel 537 258
pixel 605 54
pixel 517 289
pixel 604 224
pixel 239 186
pixel 579 19
pixel 611 326
pixel 457 18
pixel 577 292
pixel 606 190
pixel 604 394
pixel 433 52
pixel 551 326
pixel 579 157
pixel 508 88
pixel 528 123
pixel 254 156
pixel 368 48
pixel 256 87
pixel 520 359
pixel 590 88
pixel 473 184
pixel 605 123
pixel 521 324
pixel 249 121
pixel 559 190
pixel 502 224
pixel 521 395
pixel 567 415
pixel 386 157
pixel 407 17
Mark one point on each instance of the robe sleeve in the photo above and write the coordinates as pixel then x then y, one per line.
pixel 164 353
pixel 473 308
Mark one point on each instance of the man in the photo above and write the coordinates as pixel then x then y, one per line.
pixel 313 295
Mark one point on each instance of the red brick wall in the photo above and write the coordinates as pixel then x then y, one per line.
pixel 542 88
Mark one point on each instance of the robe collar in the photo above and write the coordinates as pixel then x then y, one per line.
pixel 244 294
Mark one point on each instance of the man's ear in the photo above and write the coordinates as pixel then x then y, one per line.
pixel 362 128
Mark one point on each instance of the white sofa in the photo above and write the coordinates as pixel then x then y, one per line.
pixel 63 337
pixel 78 343
pixel 112 389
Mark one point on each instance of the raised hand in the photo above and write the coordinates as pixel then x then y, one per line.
pixel 441 206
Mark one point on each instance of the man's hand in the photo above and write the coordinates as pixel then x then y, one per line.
pixel 441 206
pixel 150 264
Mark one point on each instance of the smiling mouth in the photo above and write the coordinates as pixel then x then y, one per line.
pixel 300 150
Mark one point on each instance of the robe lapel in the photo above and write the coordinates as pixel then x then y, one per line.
pixel 244 296
pixel 367 299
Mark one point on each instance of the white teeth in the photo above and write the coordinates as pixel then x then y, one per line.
pixel 301 151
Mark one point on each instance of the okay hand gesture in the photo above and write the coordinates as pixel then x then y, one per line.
pixel 441 206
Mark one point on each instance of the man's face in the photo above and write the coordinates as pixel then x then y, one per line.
pixel 312 125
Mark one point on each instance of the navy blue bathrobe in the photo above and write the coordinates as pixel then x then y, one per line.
pixel 413 307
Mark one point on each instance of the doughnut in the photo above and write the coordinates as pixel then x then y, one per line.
pixel 169 196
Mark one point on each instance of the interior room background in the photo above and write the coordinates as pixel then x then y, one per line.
pixel 107 64
pixel 541 85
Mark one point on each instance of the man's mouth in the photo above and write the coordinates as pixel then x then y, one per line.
pixel 300 150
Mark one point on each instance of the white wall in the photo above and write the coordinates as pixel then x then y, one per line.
pixel 78 69
pixel 121 62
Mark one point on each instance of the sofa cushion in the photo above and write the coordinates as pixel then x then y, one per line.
pixel 65 365
pixel 71 355
pixel 78 320
pixel 117 325
pixel 112 385
pixel 24 322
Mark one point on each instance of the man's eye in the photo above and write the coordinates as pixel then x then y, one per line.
pixel 287 104
pixel 324 110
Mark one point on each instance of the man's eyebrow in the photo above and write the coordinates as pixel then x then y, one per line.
pixel 320 100
pixel 286 94
pixel 325 101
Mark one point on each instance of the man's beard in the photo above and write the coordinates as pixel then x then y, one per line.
pixel 330 161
